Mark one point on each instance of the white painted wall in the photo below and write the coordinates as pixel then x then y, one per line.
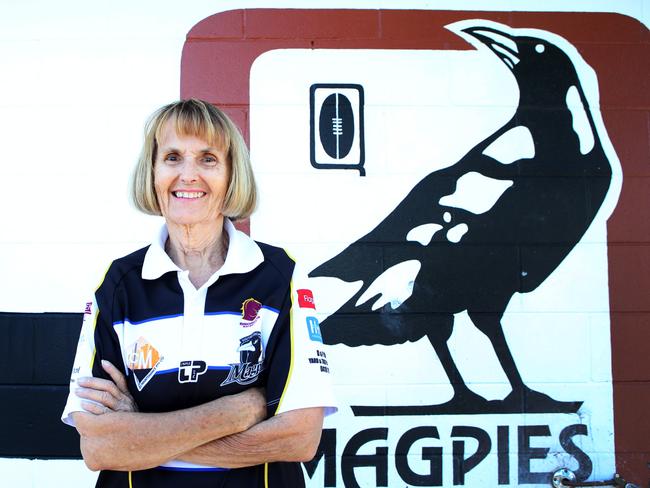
pixel 77 80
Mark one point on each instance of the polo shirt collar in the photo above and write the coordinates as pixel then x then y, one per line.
pixel 243 255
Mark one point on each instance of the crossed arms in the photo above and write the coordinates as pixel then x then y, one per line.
pixel 228 432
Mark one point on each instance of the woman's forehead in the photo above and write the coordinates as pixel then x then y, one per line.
pixel 212 136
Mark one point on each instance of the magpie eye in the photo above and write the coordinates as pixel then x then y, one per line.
pixel 540 48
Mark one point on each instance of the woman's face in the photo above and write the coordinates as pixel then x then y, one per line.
pixel 190 178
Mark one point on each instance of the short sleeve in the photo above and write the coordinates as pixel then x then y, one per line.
pixel 308 380
pixel 97 341
pixel 83 361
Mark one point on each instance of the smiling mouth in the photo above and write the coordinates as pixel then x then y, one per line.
pixel 190 195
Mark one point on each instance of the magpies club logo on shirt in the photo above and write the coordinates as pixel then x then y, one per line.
pixel 251 361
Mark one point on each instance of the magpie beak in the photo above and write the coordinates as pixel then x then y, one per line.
pixel 500 43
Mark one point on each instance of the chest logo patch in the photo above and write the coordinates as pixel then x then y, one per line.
pixel 189 371
pixel 250 310
pixel 250 361
pixel 143 359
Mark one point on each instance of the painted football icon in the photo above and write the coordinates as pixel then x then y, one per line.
pixel 336 125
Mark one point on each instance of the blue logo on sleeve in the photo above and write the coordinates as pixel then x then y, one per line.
pixel 314 329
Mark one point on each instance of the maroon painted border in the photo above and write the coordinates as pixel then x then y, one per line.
pixel 221 49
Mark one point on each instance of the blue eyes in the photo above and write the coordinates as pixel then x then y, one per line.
pixel 205 160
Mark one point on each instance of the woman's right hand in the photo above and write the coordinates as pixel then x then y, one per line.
pixel 103 396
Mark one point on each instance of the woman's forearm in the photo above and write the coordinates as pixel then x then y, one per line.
pixel 126 441
pixel 291 436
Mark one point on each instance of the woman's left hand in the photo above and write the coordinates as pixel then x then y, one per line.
pixel 106 395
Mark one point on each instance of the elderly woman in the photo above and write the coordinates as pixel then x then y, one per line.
pixel 200 361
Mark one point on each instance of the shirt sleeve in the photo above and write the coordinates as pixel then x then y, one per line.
pixel 97 341
pixel 308 380
pixel 83 361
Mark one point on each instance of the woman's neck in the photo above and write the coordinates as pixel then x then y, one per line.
pixel 199 248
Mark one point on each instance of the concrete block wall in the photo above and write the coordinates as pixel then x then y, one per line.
pixel 430 96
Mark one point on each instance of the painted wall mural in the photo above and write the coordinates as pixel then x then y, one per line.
pixel 465 240
pixel 460 258
pixel 496 222
pixel 485 228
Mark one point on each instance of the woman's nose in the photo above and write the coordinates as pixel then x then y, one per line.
pixel 189 172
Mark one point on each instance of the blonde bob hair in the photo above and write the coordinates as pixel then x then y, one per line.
pixel 200 119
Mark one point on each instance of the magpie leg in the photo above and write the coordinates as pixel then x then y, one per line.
pixel 490 325
pixel 522 398
pixel 464 399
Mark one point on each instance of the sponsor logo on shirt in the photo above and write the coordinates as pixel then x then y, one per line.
pixel 250 361
pixel 250 309
pixel 143 359
pixel 314 329
pixel 87 316
pixel 189 371
pixel 306 299
pixel 321 361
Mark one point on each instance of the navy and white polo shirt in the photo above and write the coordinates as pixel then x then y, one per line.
pixel 253 323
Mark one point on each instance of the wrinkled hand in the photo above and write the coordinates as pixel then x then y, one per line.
pixel 106 395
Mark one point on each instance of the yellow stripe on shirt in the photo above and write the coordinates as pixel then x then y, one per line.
pixel 92 359
pixel 286 384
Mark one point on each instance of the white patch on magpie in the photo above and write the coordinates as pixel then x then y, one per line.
pixel 395 285
pixel 580 121
pixel 476 193
pixel 423 233
pixel 456 233
pixel 509 58
pixel 499 39
pixel 512 146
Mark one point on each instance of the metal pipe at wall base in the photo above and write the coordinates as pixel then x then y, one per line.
pixel 565 477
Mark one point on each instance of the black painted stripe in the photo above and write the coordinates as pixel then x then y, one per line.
pixel 36 355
